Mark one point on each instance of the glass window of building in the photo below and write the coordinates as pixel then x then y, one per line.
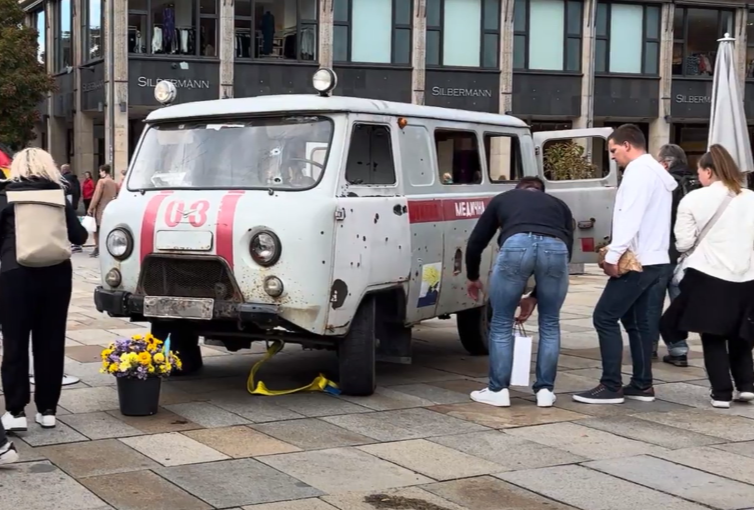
pixel 463 33
pixel 63 36
pixel 92 30
pixel 276 29
pixel 39 22
pixel 695 35
pixel 173 27
pixel 547 35
pixel 627 38
pixel 373 31
pixel 750 45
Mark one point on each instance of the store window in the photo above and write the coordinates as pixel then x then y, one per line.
pixel 463 33
pixel 38 21
pixel 547 35
pixel 173 27
pixel 63 37
pixel 750 45
pixel 92 30
pixel 276 29
pixel 628 38
pixel 374 31
pixel 695 35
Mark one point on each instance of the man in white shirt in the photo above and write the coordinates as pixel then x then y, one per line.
pixel 641 224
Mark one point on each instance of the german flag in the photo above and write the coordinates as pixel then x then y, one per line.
pixel 5 160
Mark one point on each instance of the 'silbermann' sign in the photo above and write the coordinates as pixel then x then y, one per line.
pixel 460 92
pixel 143 81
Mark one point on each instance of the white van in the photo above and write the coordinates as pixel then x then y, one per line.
pixel 331 222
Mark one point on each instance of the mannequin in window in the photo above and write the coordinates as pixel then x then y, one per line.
pixel 268 32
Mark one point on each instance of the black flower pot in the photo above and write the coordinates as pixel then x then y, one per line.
pixel 139 397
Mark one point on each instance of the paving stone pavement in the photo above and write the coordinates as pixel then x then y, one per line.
pixel 418 443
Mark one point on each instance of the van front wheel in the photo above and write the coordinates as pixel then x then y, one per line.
pixel 357 353
pixel 473 329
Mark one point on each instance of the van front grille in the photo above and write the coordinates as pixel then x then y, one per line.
pixel 186 277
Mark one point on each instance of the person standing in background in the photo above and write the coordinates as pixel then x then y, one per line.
pixel 87 190
pixel 105 192
pixel 72 193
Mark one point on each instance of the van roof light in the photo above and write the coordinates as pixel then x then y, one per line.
pixel 324 81
pixel 165 92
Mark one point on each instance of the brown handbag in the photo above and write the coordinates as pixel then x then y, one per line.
pixel 628 261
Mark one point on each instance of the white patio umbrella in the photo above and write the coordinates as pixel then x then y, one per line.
pixel 728 119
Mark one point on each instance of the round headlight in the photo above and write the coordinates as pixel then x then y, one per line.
pixel 324 80
pixel 113 278
pixel 265 248
pixel 119 244
pixel 273 286
pixel 165 92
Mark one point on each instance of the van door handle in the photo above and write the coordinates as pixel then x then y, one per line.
pixel 584 225
pixel 398 210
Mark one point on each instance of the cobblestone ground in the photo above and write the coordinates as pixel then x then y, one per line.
pixel 418 444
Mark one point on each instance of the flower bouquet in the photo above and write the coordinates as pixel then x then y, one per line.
pixel 139 363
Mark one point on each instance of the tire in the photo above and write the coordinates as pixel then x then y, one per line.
pixel 473 329
pixel 357 353
pixel 185 345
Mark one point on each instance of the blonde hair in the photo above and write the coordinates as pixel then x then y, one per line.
pixel 35 163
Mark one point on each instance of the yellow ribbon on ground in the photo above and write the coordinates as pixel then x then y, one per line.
pixel 320 383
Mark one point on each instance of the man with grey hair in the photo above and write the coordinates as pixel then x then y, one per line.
pixel 673 159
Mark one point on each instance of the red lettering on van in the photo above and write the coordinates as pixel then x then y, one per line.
pixel 196 216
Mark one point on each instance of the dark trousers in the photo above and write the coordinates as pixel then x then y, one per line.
pixel 34 302
pixel 3 437
pixel 627 299
pixel 725 357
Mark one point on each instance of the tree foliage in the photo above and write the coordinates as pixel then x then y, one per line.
pixel 24 82
pixel 565 160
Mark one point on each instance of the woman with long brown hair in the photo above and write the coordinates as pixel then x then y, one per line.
pixel 714 233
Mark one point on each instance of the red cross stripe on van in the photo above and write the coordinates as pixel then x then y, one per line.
pixel 447 209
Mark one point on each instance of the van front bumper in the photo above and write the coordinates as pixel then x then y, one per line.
pixel 118 303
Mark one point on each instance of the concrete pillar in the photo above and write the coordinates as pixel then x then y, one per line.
pixel 739 33
pixel 500 147
pixel 588 33
pixel 227 55
pixel 116 73
pixel 325 33
pixel 419 51
pixel 56 132
pixel 659 128
pixel 83 125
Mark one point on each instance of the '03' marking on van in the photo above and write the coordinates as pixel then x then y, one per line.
pixel 446 209
pixel 196 215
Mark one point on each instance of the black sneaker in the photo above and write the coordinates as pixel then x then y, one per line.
pixel 600 395
pixel 76 249
pixel 679 361
pixel 8 453
pixel 634 393
pixel 654 355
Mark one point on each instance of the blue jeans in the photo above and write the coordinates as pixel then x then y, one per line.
pixel 520 257
pixel 627 299
pixel 656 307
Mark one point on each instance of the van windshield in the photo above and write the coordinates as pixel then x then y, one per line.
pixel 286 153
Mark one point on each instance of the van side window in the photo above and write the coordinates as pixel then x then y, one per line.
pixel 573 159
pixel 458 157
pixel 370 157
pixel 416 155
pixel 503 154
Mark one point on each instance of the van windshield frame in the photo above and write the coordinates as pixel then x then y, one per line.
pixel 280 135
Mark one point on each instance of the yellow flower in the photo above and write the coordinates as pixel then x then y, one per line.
pixel 166 368
pixel 106 353
pixel 133 357
pixel 137 337
pixel 124 357
pixel 150 369
pixel 145 358
pixel 124 367
pixel 159 358
pixel 113 368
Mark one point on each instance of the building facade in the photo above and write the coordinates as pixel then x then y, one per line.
pixel 557 64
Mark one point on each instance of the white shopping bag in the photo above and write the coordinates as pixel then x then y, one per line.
pixel 89 223
pixel 521 357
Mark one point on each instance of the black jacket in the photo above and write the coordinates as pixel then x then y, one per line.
pixel 678 172
pixel 77 234
pixel 73 189
pixel 518 211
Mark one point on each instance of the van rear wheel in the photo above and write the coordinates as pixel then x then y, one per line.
pixel 357 353
pixel 473 329
pixel 184 344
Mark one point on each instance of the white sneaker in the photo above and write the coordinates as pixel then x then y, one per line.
pixel 721 404
pixel 46 421
pixel 8 454
pixel 14 423
pixel 744 396
pixel 545 398
pixel 500 398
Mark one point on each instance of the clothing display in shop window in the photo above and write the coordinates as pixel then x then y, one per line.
pixel 308 43
pixel 135 41
pixel 243 44
pixel 698 64
pixel 157 40
pixel 168 25
pixel 268 32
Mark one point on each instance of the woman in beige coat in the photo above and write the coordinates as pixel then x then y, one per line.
pixel 104 193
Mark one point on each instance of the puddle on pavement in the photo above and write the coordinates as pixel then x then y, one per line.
pixel 386 502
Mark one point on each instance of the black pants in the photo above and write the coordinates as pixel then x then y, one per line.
pixel 87 202
pixel 725 357
pixel 34 301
